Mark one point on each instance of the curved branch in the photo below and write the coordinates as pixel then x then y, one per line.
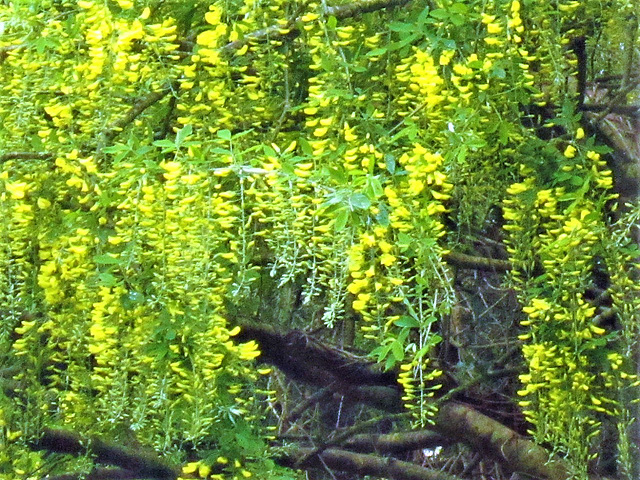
pixel 139 464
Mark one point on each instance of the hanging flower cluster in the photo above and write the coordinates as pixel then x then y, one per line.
pixel 553 237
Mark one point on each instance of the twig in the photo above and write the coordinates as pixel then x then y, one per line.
pixel 141 105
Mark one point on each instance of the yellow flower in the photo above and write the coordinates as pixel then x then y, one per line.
pixel 387 260
pixel 17 190
pixel 517 188
pixel 204 470
pixel 190 467
pixel 213 17
pixel 494 28
pixel 593 155
pixel 249 350
pixel 208 38
pixel 570 151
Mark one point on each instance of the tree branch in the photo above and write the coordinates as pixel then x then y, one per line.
pixel 399 442
pixel 478 263
pixel 109 133
pixel 491 438
pixel 362 464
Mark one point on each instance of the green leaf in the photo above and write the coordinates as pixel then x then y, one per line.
pixel 381 352
pixel 269 151
pixel 402 27
pixel 376 52
pixel 390 163
pixel 332 22
pixel 116 148
pixel 459 8
pixel 359 201
pixel 407 321
pixel 578 180
pixel 307 149
pixel 107 280
pixel 439 13
pixel 107 259
pixel 341 219
pixel 457 19
pixel 497 72
pixel 224 134
pixel 404 241
pixel 183 133
pixel 170 334
pixel 337 175
pixel 382 216
pixel 376 187
pixel 397 350
pixel 164 143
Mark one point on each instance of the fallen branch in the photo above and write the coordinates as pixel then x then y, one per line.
pixel 491 438
pixel 136 463
pixel 399 442
pixel 362 464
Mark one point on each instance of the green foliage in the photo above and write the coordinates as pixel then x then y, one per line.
pixel 343 155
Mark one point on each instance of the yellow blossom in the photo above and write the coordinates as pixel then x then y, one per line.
pixel 570 151
pixel 387 260
pixel 17 190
